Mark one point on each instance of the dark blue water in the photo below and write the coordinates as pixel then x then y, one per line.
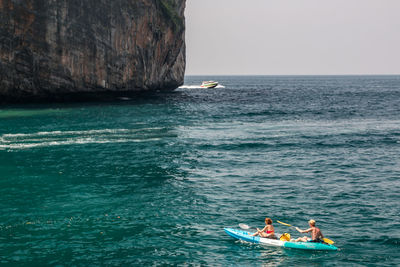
pixel 154 180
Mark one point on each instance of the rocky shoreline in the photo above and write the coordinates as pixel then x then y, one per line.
pixel 64 49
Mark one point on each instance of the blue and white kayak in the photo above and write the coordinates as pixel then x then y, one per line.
pixel 246 236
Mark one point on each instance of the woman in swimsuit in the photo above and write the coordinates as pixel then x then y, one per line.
pixel 316 234
pixel 268 231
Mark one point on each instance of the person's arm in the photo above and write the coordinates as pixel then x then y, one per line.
pixel 303 231
pixel 259 231
pixel 256 233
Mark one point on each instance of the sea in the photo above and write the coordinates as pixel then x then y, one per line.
pixel 153 180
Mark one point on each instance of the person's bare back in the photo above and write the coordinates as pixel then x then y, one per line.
pixel 316 233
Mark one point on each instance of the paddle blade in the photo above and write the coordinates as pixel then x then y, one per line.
pixel 244 226
pixel 327 240
pixel 284 223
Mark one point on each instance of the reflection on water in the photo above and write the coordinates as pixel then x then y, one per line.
pixel 270 257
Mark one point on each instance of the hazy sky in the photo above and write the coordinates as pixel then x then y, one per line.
pixel 293 37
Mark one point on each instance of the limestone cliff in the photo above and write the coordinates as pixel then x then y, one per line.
pixel 56 47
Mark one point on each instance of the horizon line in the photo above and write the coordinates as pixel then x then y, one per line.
pixel 293 74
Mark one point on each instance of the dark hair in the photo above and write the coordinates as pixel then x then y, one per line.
pixel 268 221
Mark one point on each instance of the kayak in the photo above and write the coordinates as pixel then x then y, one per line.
pixel 246 236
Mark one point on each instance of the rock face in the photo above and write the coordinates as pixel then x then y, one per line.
pixel 51 48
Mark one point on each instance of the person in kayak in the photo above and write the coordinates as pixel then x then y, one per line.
pixel 316 234
pixel 268 231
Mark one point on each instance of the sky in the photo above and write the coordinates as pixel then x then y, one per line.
pixel 292 37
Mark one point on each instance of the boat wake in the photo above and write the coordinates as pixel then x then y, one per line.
pixel 102 136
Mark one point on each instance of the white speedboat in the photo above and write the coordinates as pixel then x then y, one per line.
pixel 209 84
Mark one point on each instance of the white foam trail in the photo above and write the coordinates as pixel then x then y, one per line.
pixel 57 133
pixel 73 142
pixel 190 87
pixel 102 136
pixel 88 132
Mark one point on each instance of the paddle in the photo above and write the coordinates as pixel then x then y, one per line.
pixel 244 226
pixel 326 240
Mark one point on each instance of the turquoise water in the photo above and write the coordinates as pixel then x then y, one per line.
pixel 155 180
